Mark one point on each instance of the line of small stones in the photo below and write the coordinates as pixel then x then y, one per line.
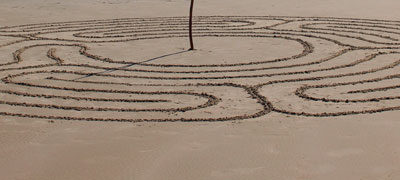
pixel 169 25
pixel 144 29
pixel 314 32
pixel 119 25
pixel 83 48
pixel 82 98
pixel 211 71
pixel 145 32
pixel 374 89
pixel 18 59
pixel 275 32
pixel 368 58
pixel 286 31
pixel 365 29
pixel 130 84
pixel 250 90
pixel 59 62
pixel 12 42
pixel 392 65
pixel 301 92
pixel 124 84
pixel 355 21
pixel 294 18
pixel 351 31
pixel 364 25
pixel 325 114
pixel 8 44
pixel 99 27
pixel 125 24
pixel 112 21
pixel 21 52
pixel 119 32
pixel 299 18
pixel 90 23
pixel 244 32
pixel 125 40
pixel 305 26
pixel 308 49
pixel 212 100
pixel 112 29
pixel 160 31
pixel 17 56
pixel 335 114
pixel 87 22
pixel 51 51
pixel 318 78
pixel 256 88
pixel 50 54
pixel 165 28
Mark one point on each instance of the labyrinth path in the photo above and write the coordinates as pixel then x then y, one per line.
pixel 136 69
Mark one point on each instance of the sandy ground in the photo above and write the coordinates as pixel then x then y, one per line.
pixel 292 90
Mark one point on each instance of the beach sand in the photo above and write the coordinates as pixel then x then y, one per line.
pixel 105 89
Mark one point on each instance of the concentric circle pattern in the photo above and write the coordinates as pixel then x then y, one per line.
pixel 245 67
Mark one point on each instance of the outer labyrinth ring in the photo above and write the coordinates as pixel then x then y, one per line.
pixel 343 67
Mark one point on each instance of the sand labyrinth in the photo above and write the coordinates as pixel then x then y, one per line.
pixel 136 69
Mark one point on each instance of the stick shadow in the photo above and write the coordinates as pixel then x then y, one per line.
pixel 132 64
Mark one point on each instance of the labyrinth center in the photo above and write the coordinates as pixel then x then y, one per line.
pixel 137 69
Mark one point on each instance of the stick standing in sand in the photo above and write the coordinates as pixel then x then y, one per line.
pixel 190 26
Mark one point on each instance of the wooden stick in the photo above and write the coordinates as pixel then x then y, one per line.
pixel 190 26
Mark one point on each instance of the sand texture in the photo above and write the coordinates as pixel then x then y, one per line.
pixel 106 89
